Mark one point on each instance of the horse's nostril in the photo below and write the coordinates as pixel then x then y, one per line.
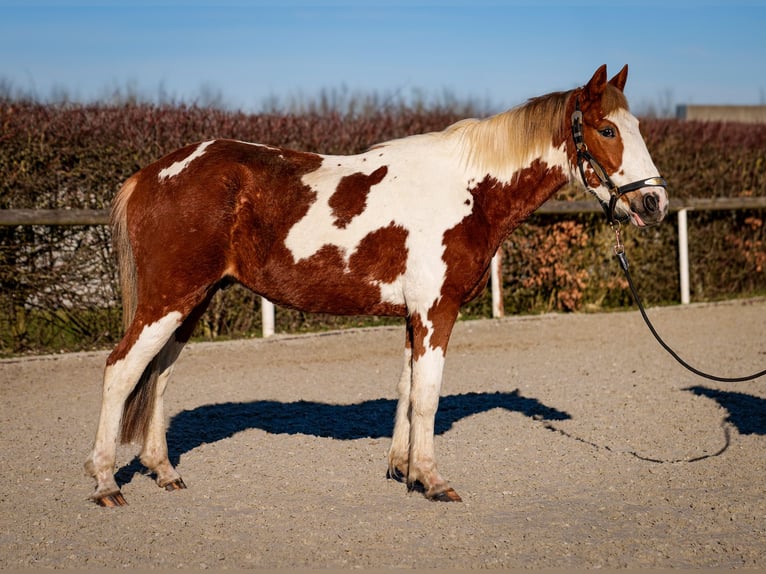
pixel 650 203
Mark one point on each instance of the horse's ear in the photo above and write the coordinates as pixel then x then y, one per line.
pixel 620 78
pixel 597 84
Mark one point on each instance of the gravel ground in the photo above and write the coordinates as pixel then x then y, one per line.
pixel 574 440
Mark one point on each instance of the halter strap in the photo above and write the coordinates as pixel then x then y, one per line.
pixel 584 156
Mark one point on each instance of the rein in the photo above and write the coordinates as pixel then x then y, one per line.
pixel 585 157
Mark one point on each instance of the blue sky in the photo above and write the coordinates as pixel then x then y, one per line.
pixel 702 52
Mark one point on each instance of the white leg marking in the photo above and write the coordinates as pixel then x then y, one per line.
pixel 154 454
pixel 399 453
pixel 119 380
pixel 424 400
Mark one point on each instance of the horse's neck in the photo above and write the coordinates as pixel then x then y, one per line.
pixel 518 159
pixel 507 201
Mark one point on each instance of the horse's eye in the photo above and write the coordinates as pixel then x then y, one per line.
pixel 608 132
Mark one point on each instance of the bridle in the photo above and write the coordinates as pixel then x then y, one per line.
pixel 584 156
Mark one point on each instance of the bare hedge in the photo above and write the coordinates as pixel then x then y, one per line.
pixel 58 284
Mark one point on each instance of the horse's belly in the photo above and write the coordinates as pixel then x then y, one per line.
pixel 338 295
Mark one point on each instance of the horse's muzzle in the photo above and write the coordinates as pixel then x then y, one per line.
pixel 648 207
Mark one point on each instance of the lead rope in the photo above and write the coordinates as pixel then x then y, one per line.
pixel 725 425
pixel 619 251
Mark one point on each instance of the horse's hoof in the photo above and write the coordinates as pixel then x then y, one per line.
pixel 395 474
pixel 177 484
pixel 112 500
pixel 416 486
pixel 448 495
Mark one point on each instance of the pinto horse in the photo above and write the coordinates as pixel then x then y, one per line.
pixel 407 228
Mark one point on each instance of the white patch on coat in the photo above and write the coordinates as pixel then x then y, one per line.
pixel 119 380
pixel 637 164
pixel 264 146
pixel 557 157
pixel 424 191
pixel 177 167
pixel 150 342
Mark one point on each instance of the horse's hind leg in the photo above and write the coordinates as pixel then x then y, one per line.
pixel 124 369
pixel 154 454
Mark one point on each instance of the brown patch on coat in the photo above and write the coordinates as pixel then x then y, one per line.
pixel 442 315
pixel 498 208
pixel 269 201
pixel 381 255
pixel 417 335
pixel 324 283
pixel 350 197
pixel 185 230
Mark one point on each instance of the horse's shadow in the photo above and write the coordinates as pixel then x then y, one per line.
pixel 368 419
pixel 746 412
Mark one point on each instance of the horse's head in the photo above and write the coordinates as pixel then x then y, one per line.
pixel 611 155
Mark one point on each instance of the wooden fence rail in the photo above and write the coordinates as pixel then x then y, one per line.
pixel 16 217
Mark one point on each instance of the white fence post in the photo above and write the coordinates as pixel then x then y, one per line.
pixel 496 283
pixel 683 256
pixel 267 317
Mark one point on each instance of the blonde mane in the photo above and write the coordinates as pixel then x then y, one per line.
pixel 511 139
pixel 507 141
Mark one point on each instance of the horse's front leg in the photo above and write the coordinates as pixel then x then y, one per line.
pixel 429 345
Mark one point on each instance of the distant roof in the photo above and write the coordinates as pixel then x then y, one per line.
pixel 746 114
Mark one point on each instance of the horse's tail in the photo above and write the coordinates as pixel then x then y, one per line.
pixel 140 403
pixel 124 251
